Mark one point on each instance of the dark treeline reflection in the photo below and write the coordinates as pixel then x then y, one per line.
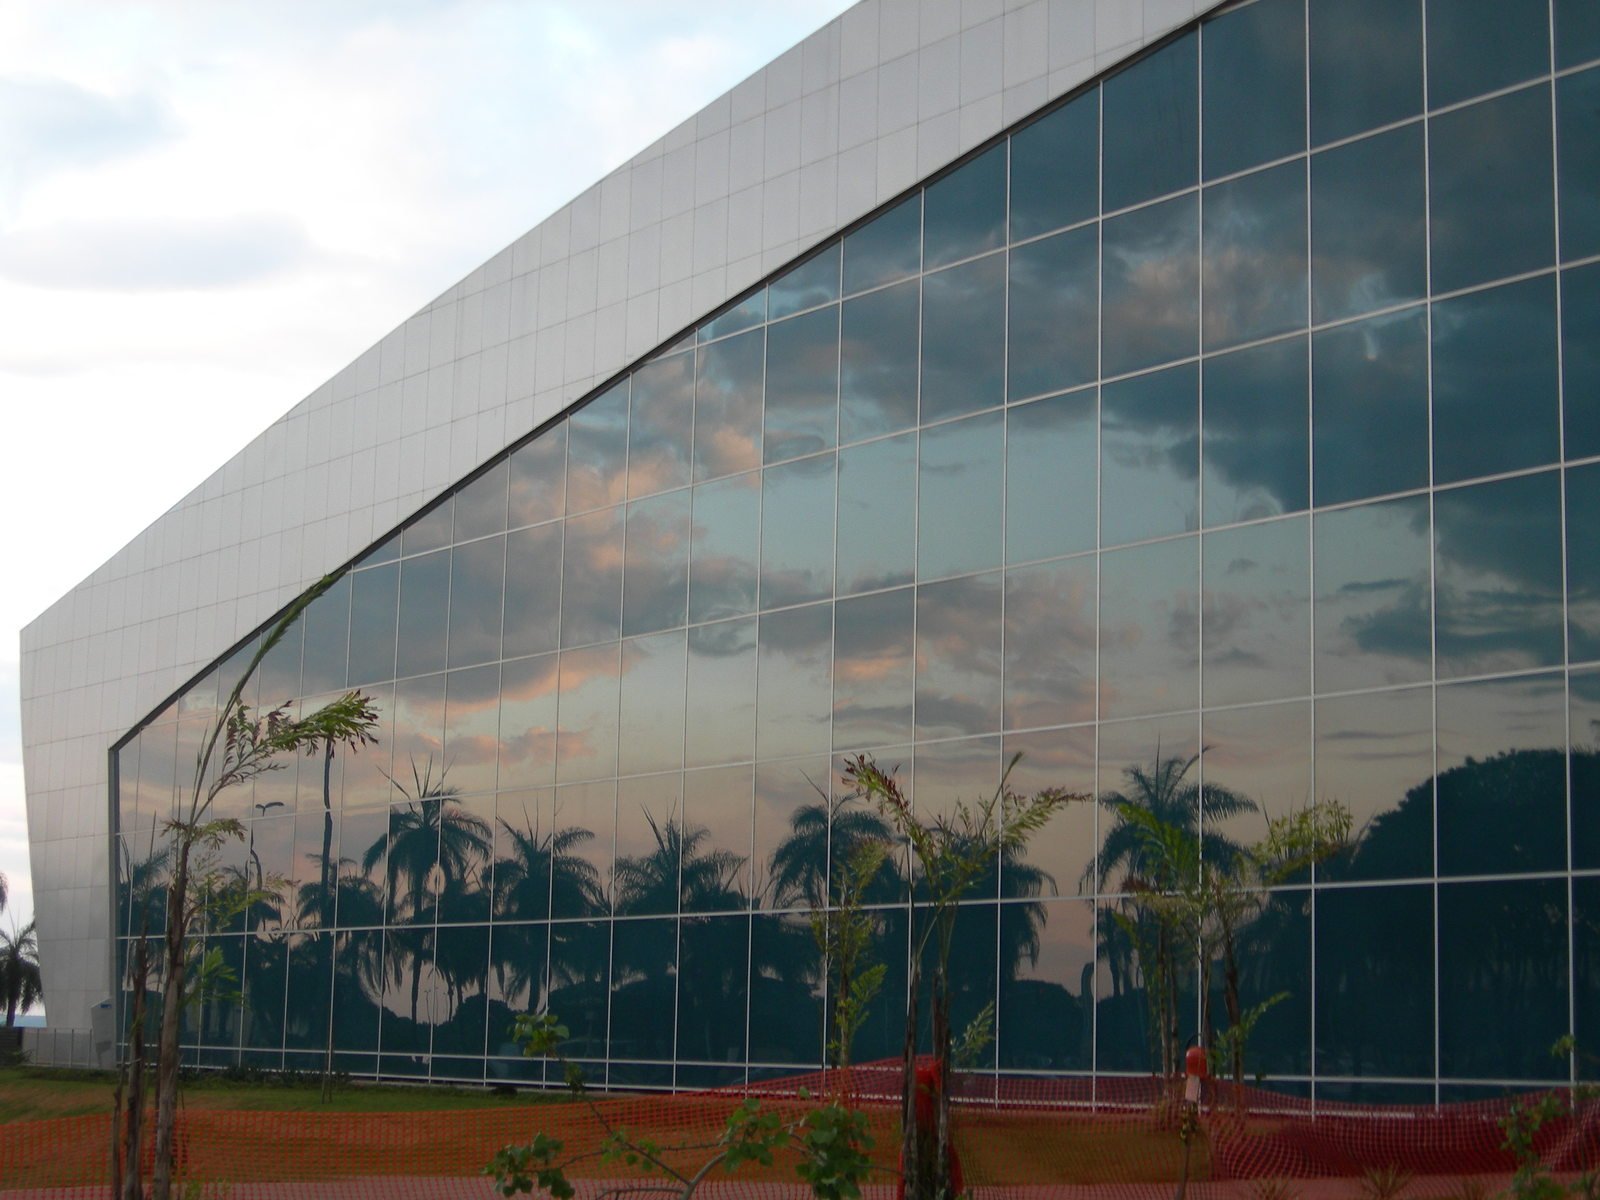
pixel 428 925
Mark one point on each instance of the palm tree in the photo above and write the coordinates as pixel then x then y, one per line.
pixel 538 869
pixel 21 984
pixel 681 870
pixel 1155 840
pixel 797 874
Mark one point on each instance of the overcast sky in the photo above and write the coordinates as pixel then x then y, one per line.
pixel 207 208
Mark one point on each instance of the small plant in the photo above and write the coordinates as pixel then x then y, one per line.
pixel 1468 1189
pixel 1384 1183
pixel 833 1140
pixel 1522 1122
pixel 1587 1185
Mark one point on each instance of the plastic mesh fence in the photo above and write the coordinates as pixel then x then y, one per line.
pixel 1018 1140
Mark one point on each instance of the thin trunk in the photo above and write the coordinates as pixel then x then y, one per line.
pixel 325 901
pixel 940 1167
pixel 171 1017
pixel 908 1090
pixel 1230 996
pixel 127 1176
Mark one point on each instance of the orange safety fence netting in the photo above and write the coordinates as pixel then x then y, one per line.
pixel 1019 1139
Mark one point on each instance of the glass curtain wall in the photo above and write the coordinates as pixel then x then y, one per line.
pixel 1217 456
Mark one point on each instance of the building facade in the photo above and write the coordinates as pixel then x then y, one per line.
pixel 1202 405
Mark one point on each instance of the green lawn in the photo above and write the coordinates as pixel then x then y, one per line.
pixel 32 1093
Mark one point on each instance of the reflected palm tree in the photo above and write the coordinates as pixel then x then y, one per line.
pixel 681 869
pixel 797 873
pixel 538 869
pixel 432 844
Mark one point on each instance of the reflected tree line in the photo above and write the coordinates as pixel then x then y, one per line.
pixel 443 923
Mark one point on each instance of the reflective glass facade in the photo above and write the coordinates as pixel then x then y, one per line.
pixel 1222 456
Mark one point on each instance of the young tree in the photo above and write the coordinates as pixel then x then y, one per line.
pixel 239 745
pixel 951 851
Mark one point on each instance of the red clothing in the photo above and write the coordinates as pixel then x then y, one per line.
pixel 929 1081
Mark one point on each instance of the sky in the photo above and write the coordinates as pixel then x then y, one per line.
pixel 208 207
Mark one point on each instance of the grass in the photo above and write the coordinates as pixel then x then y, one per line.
pixel 34 1093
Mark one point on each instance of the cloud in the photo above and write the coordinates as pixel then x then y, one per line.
pixel 51 125
pixel 156 255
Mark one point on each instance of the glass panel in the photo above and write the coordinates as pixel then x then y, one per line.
pixel 374 601
pixel 363 845
pixel 327 639
pixel 477 584
pixel 1369 407
pixel 1502 782
pixel 1051 450
pixel 1583 564
pixel 1584 768
pixel 725 544
pixel 310 980
pixel 1375 756
pixel 651 737
pixel 727 406
pixel 539 479
pixel 358 972
pixel 481 505
pixel 1254 440
pixel 790 846
pixel 786 981
pixel 716 839
pixel 1477 46
pixel 597 451
pixel 1150 628
pixel 872 665
pixel 644 986
pixel 960 496
pixel 964 338
pixel 797 502
pixel 887 248
pixel 720 719
pixel 878 363
pixel 752 310
pixel 591 578
pixel 429 531
pixel 385 551
pixel 1055 168
pixel 529 846
pixel 813 282
pixel 1578 153
pixel 1151 140
pixel 656 567
pixel 1490 181
pixel 528 721
pixel 472 728
pixel 1373 611
pixel 1497 576
pixel 660 424
pixel 1366 65
pixel 586 737
pixel 585 818
pixel 877 515
pixel 424 602
pixel 1255 256
pixel 1150 286
pixel 1368 225
pixel 713 988
pixel 964 213
pixel 277 678
pixel 1254 82
pixel 579 981
pixel 1063 849
pixel 1580 359
pixel 958 657
pixel 1586 968
pixel 1577 32
pixel 269 862
pixel 794 706
pixel 461 1013
pixel 649 843
pixel 802 412
pixel 1495 405
pixel 1502 979
pixel 533 590
pixel 1257 765
pixel 419 766
pixel 1256 601
pixel 1046 1013
pixel 1049 643
pixel 1150 456
pixel 1374 950
pixel 1053 317
pixel 366 775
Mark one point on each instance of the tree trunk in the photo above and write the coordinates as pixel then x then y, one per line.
pixel 940 1172
pixel 126 1166
pixel 171 1022
pixel 1230 994
pixel 908 1090
pixel 325 901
